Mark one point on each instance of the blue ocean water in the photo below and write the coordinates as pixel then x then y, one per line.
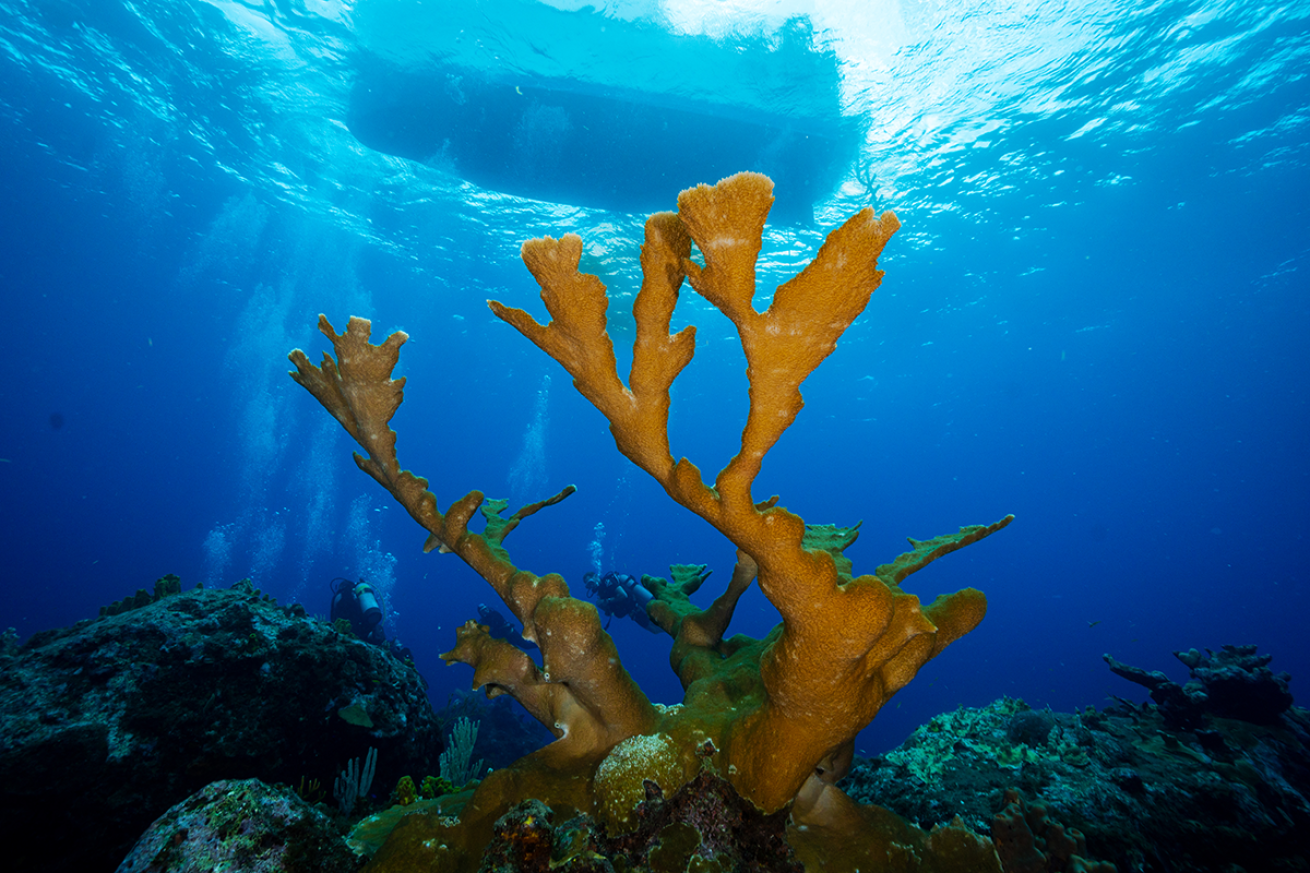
pixel 1095 316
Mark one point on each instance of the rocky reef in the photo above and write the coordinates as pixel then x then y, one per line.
pixel 1229 792
pixel 106 724
pixel 242 825
pixel 1003 788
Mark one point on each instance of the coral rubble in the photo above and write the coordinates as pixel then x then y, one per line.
pixel 778 716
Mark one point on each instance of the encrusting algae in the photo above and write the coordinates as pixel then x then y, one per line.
pixel 775 717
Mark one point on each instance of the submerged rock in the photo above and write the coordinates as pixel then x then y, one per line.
pixel 106 724
pixel 241 826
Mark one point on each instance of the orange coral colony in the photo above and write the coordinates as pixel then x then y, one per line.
pixel 776 717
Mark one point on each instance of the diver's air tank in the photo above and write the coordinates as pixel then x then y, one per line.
pixel 368 605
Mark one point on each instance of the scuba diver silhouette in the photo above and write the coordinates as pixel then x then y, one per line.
pixel 622 595
pixel 357 604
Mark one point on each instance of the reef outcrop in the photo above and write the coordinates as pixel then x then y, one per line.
pixel 1124 784
pixel 241 825
pixel 775 717
pixel 106 724
pixel 1233 683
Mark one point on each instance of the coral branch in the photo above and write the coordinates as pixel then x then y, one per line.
pixel 583 693
pixel 777 716
pixel 498 528
pixel 358 390
pixel 573 695
pixel 698 645
pixel 577 338
pixel 927 551
pixel 846 644
pixel 808 314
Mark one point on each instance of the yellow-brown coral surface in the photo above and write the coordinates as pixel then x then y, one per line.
pixel 777 717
